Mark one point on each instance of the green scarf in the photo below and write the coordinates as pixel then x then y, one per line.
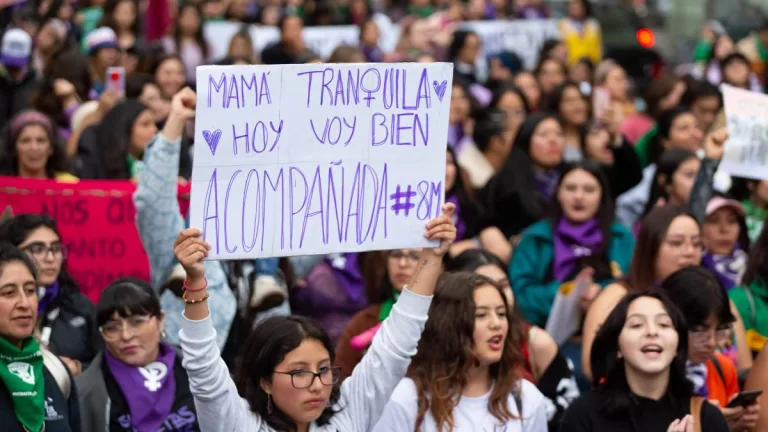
pixel 386 306
pixel 21 370
pixel 762 50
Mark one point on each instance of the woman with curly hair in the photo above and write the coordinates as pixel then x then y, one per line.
pixel 467 372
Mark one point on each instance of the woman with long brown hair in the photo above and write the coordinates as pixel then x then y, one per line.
pixel 467 373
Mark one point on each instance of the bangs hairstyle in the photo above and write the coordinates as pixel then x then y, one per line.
pixel 653 230
pixel 264 349
pixel 16 229
pixel 666 167
pixel 128 297
pixel 698 294
pixel 608 370
pixel 10 253
pixel 441 365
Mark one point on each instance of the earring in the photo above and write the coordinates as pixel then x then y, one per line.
pixel 269 404
pixel 163 335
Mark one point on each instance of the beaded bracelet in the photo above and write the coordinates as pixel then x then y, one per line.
pixel 191 302
pixel 186 287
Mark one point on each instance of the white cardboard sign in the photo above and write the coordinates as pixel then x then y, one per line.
pixel 318 158
pixel 746 151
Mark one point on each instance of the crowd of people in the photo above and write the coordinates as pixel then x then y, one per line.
pixel 565 178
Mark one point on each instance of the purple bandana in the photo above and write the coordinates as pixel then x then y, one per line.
pixel 461 227
pixel 572 242
pixel 348 275
pixel 149 391
pixel 728 268
pixel 48 296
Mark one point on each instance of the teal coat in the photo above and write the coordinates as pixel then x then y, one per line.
pixel 532 262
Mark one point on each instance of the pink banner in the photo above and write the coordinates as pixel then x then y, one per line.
pixel 96 220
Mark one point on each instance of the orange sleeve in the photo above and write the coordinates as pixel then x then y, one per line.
pixel 720 390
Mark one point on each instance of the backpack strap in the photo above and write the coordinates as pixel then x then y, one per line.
pixel 696 403
pixel 59 372
pixel 719 369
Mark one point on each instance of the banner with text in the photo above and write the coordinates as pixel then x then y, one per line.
pixel 96 220
pixel 314 159
pixel 746 151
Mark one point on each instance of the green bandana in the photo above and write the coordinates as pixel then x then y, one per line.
pixel 21 370
pixel 386 306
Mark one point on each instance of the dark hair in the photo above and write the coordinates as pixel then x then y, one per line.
pixel 608 370
pixel 47 102
pixel 444 356
pixel 72 66
pixel 108 20
pixel 499 93
pixel 345 53
pixel 199 36
pixel 743 241
pixel 599 261
pixel 518 172
pixel 664 126
pixel 666 167
pixel 700 89
pixel 734 57
pixel 159 60
pixel 16 229
pixel 757 263
pixel 652 232
pixel 546 49
pixel 587 8
pixel 540 66
pixel 469 208
pixel 284 19
pixel 135 83
pixel 491 123
pixel 10 253
pixel 553 101
pixel 659 89
pixel 9 158
pixel 127 296
pixel 698 294
pixel 114 137
pixel 472 259
pixel 457 43
pixel 263 350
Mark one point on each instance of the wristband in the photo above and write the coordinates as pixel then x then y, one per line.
pixel 191 302
pixel 186 287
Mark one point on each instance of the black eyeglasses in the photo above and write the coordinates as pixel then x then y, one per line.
pixel 40 250
pixel 301 379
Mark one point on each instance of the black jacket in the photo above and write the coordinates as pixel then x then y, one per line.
pixel 583 415
pixel 73 333
pixel 61 414
pixel 16 96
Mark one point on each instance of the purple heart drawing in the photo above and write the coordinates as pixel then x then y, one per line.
pixel 440 88
pixel 212 138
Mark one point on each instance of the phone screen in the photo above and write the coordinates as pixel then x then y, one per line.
pixel 601 99
pixel 115 79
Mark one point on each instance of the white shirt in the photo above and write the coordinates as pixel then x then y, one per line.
pixel 470 415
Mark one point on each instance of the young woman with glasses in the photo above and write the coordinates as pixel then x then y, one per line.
pixel 138 382
pixel 67 324
pixel 287 376
pixel 359 333
pixel 697 292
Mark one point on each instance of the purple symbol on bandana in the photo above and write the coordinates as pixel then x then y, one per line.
pixel 440 88
pixel 212 139
pixel 399 205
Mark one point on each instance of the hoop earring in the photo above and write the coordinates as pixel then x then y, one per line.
pixel 269 404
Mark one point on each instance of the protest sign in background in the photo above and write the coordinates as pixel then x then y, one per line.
pixel 319 158
pixel 523 37
pixel 746 151
pixel 96 220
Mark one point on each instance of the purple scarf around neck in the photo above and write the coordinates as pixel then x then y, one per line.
pixel 728 268
pixel 572 242
pixel 50 294
pixel 461 227
pixel 348 275
pixel 546 182
pixel 148 391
